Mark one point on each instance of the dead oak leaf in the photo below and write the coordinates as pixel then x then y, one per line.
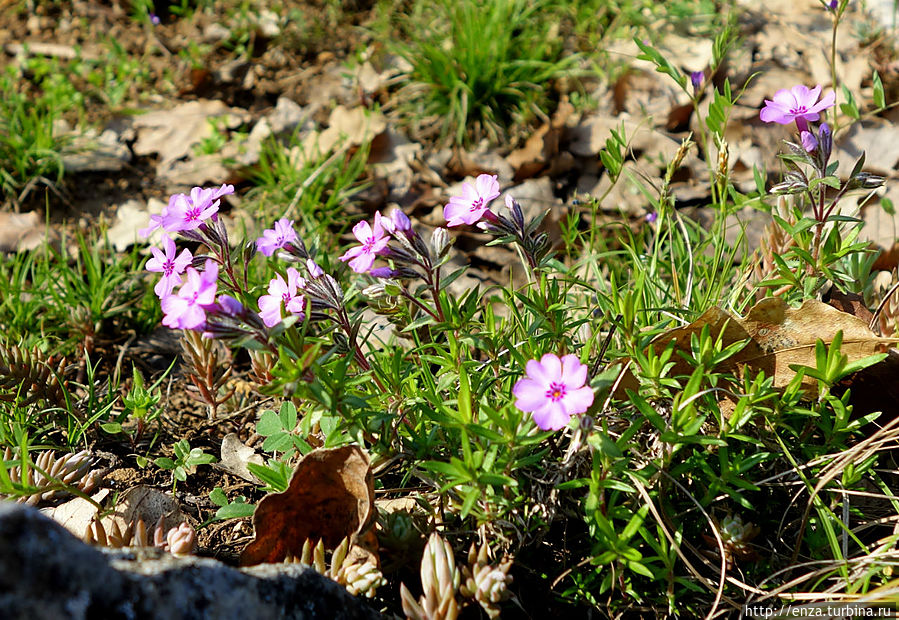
pixel 330 497
pixel 779 338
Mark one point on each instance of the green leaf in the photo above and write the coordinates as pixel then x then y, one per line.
pixel 235 510
pixel 879 98
pixel 164 462
pixel 287 416
pixel 278 442
pixel 217 496
pixel 269 424
pixel 272 477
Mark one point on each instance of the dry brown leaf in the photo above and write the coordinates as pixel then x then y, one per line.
pixel 330 497
pixel 235 457
pixel 779 337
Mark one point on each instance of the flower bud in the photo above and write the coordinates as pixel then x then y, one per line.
pixel 440 242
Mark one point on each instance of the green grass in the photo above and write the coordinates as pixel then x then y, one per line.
pixel 477 68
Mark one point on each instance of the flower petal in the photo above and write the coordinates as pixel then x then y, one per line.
pixel 552 365
pixel 574 374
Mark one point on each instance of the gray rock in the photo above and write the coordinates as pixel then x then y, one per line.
pixel 45 572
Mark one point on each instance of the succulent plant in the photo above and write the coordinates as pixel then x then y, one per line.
pixel 440 580
pixel 73 469
pixel 486 584
pixel 180 540
pixel 359 578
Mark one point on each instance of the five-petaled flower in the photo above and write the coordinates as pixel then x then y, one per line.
pixel 188 212
pixel 275 239
pixel 374 241
pixel 170 265
pixel 797 104
pixel 280 292
pixel 554 390
pixel 473 203
pixel 186 309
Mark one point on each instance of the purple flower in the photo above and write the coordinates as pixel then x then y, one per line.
pixel 277 238
pixel 651 217
pixel 373 240
pixel 833 4
pixel 798 104
pixel 154 19
pixel 280 292
pixel 229 305
pixel 186 309
pixel 397 222
pixel 696 78
pixel 471 206
pixel 809 141
pixel 554 390
pixel 383 272
pixel 170 266
pixel 188 212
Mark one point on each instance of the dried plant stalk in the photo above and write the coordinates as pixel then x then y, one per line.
pixel 209 369
pixel 72 469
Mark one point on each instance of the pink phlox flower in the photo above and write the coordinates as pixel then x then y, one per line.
pixel 281 292
pixel 170 265
pixel 554 390
pixel 374 241
pixel 276 238
pixel 157 220
pixel 474 201
pixel 797 104
pixel 188 212
pixel 187 308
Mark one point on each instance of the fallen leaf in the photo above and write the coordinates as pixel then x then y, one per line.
pixel 330 497
pixel 779 337
pixel 76 514
pixel 236 455
pixel 146 503
pixel 174 133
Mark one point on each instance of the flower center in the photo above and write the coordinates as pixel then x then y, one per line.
pixel 168 267
pixel 477 204
pixel 799 110
pixel 192 214
pixel 369 244
pixel 285 297
pixel 556 391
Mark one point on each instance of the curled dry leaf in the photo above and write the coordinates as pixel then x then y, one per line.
pixel 779 337
pixel 330 497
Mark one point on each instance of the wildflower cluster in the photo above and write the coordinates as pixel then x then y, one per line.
pixel 209 293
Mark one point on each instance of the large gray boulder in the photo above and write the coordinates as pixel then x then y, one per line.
pixel 45 572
